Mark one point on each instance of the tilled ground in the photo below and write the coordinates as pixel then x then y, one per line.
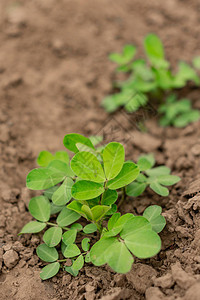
pixel 54 73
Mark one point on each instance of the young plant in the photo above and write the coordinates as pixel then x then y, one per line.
pixel 156 178
pixel 177 113
pixel 88 188
pixel 148 79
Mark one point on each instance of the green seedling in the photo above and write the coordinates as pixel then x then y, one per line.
pixel 157 178
pixel 149 79
pixel 177 113
pixel 88 188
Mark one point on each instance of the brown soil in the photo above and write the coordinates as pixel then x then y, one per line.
pixel 54 73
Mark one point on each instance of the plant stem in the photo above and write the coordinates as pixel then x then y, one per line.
pixel 52 224
pixel 123 197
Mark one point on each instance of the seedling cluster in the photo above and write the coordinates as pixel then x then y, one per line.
pixel 88 187
pixel 152 79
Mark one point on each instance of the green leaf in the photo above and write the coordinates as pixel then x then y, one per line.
pixel 90 228
pixel 69 236
pixel 44 158
pixel 126 56
pixel 113 159
pixel 60 167
pixel 55 209
pixel 118 225
pixel 128 173
pixel 99 212
pixel 78 263
pixel 143 164
pixel 72 271
pixel 159 189
pixel 96 139
pixel 40 208
pixel 77 207
pixel 196 62
pixel 85 190
pixel 63 247
pixel 113 252
pixel 52 236
pixel 33 227
pixel 87 211
pixel 49 192
pixel 161 170
pixel 72 250
pixel 143 244
pixel 87 258
pixel 46 253
pixel 63 156
pixel 146 162
pixel 86 166
pixel 63 194
pixel 184 74
pixel 82 147
pixel 98 251
pixel 85 244
pixel 168 179
pixel 70 141
pixel 134 225
pixel 154 50
pixel 135 189
pixel 152 214
pixel 77 226
pixel 67 217
pixel 113 220
pixel 112 210
pixel 42 179
pixel 119 258
pixel 109 197
pixel 49 271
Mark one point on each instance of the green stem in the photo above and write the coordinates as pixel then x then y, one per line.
pixel 123 197
pixel 52 224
